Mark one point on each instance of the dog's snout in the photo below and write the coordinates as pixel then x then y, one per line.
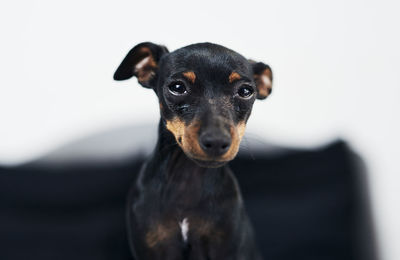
pixel 215 144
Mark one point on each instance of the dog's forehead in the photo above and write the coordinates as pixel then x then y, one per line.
pixel 206 58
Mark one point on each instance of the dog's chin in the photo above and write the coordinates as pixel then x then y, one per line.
pixel 209 163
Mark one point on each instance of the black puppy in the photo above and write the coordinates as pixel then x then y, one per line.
pixel 186 203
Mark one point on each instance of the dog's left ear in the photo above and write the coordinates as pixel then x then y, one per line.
pixel 263 78
pixel 142 62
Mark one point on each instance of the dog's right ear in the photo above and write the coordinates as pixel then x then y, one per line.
pixel 263 78
pixel 142 62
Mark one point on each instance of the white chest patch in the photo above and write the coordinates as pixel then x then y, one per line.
pixel 184 225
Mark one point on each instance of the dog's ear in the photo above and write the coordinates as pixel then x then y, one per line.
pixel 142 62
pixel 263 78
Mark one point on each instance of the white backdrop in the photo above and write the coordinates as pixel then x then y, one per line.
pixel 336 66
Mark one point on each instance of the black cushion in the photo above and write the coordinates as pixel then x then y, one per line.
pixel 303 204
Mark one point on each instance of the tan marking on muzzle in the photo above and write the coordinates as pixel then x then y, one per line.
pixel 190 141
pixel 177 127
pixel 187 137
pixel 234 76
pixel 189 75
pixel 237 133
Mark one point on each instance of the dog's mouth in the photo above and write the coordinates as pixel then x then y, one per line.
pixel 208 163
pixel 187 137
pixel 204 160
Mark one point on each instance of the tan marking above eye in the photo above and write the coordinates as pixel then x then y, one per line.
pixel 189 75
pixel 234 76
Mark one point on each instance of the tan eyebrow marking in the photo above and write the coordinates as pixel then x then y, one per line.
pixel 234 76
pixel 190 76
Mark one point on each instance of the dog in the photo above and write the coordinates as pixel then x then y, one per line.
pixel 186 202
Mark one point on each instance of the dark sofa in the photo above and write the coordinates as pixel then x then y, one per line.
pixel 304 204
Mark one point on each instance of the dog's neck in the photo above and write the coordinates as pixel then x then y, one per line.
pixel 172 170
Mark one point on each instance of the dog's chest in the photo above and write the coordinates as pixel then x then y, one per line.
pixel 186 208
pixel 186 230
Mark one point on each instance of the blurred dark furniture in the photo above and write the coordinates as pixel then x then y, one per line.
pixel 304 204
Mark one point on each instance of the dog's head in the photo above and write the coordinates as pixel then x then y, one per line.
pixel 206 93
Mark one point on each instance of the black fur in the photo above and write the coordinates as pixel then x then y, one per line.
pixel 174 184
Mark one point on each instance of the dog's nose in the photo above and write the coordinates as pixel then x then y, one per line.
pixel 215 144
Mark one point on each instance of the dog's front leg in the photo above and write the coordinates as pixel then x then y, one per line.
pixel 161 240
pixel 168 250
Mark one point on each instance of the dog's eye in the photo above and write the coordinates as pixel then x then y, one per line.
pixel 177 89
pixel 245 92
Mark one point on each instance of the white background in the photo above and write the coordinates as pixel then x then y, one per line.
pixel 336 66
